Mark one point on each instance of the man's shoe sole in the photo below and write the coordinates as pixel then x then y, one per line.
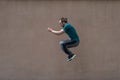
pixel 72 58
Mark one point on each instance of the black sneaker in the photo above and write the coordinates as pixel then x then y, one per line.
pixel 71 57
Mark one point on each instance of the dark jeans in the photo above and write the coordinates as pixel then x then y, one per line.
pixel 68 44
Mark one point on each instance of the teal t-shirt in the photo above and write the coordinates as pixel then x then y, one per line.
pixel 71 32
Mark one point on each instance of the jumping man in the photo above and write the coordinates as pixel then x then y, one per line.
pixel 69 43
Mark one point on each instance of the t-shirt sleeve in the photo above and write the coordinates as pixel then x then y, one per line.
pixel 66 28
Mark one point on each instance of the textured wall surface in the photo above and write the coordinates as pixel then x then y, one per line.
pixel 29 52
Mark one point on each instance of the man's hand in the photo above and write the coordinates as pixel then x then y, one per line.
pixel 50 29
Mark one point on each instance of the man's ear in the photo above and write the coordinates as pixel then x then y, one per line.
pixel 63 23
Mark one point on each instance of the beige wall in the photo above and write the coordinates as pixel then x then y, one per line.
pixel 29 52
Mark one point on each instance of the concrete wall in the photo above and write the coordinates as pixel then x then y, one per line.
pixel 29 52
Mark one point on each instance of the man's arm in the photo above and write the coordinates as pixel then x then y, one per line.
pixel 56 32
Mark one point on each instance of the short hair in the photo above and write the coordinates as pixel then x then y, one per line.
pixel 64 20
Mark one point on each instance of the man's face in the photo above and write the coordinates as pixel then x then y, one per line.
pixel 61 24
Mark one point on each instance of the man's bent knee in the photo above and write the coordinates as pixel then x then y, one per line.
pixel 61 42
